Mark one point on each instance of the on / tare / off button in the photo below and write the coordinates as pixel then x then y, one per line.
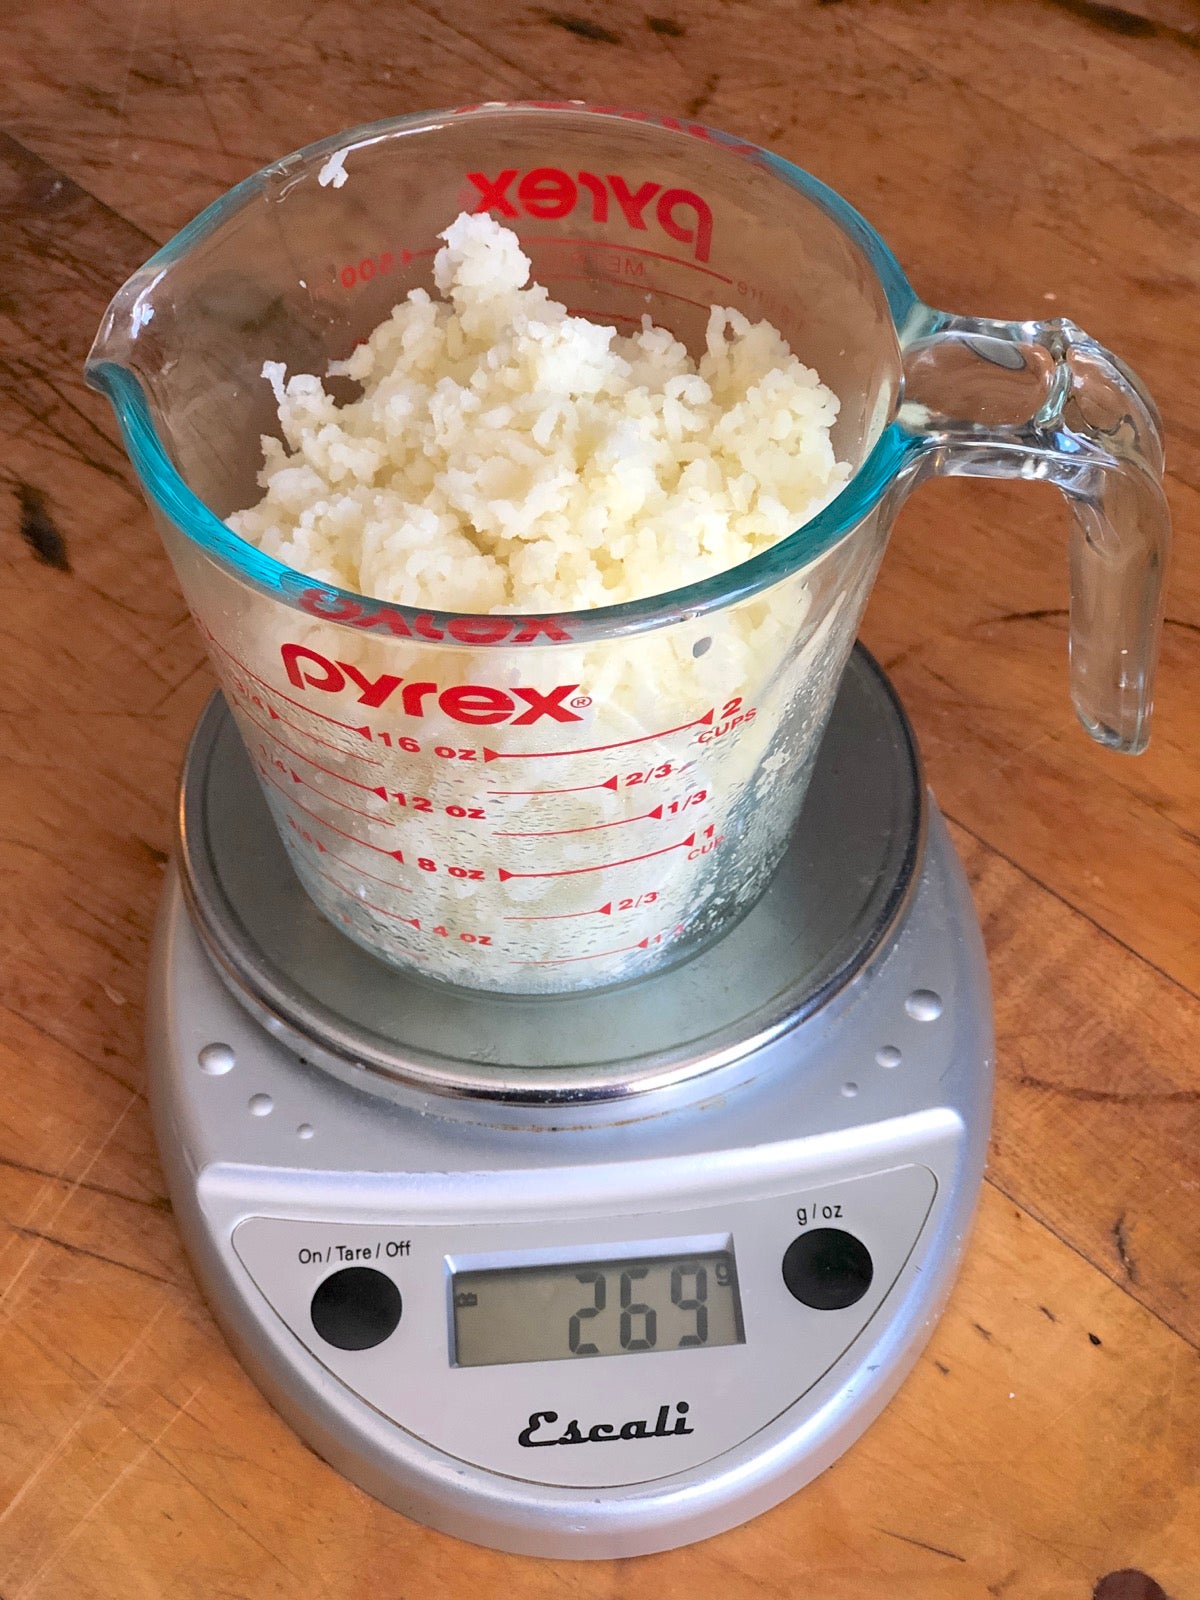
pixel 827 1269
pixel 356 1308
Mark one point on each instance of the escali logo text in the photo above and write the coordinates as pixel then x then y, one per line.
pixel 552 193
pixel 475 703
pixel 665 1427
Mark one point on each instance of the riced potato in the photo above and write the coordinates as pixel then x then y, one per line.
pixel 544 817
pixel 507 456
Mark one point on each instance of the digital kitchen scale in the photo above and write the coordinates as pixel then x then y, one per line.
pixel 595 1275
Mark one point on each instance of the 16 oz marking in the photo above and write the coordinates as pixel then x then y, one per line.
pixel 412 747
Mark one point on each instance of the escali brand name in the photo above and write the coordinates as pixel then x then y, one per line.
pixel 478 704
pixel 540 1429
pixel 553 193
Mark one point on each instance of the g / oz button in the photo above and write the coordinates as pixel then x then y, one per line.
pixel 827 1269
pixel 356 1308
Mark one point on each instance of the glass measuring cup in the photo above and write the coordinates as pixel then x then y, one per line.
pixel 539 804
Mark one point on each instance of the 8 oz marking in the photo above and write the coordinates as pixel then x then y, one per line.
pixel 427 864
pixel 366 269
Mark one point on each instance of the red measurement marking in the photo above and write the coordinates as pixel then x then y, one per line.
pixel 592 827
pixel 351 727
pixel 563 916
pixel 358 900
pixel 602 314
pixel 397 855
pixel 600 866
pixel 362 871
pixel 628 250
pixel 638 285
pixel 371 816
pixel 326 744
pixel 329 772
pixel 598 955
pixel 609 783
pixel 592 749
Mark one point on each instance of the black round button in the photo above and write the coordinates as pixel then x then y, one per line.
pixel 356 1308
pixel 827 1269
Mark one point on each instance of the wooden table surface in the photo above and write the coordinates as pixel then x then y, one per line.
pixel 1023 157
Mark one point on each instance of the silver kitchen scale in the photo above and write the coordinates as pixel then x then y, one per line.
pixel 582 1276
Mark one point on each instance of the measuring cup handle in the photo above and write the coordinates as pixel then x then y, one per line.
pixel 1043 401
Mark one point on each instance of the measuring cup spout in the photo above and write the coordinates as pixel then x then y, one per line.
pixel 130 312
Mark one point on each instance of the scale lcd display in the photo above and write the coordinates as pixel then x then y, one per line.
pixel 573 1310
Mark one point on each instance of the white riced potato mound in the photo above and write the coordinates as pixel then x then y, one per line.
pixel 506 456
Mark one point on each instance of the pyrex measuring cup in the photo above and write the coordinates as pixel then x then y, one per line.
pixel 544 803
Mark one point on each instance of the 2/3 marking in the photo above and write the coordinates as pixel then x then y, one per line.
pixel 633 902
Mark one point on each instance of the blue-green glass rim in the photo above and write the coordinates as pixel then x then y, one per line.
pixel 171 495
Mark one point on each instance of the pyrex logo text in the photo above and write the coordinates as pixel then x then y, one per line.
pixel 467 630
pixel 475 703
pixel 552 193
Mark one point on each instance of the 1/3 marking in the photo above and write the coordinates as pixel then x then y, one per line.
pixel 696 798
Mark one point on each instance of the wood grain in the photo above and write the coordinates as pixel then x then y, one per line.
pixel 135 1458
